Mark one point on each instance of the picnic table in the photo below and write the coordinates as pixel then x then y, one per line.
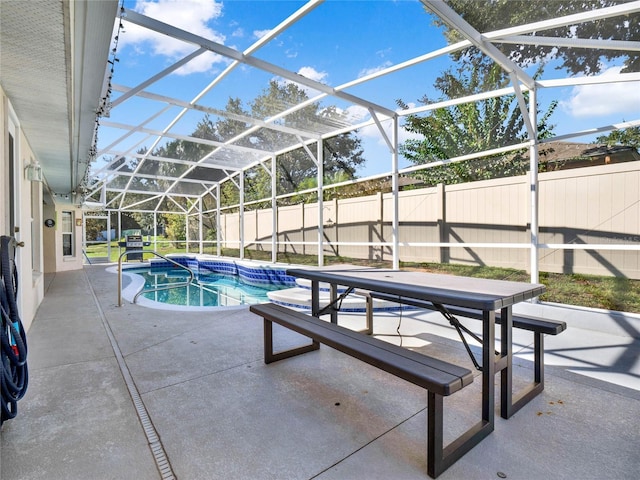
pixel 486 296
pixel 490 301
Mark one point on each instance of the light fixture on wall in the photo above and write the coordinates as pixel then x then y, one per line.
pixel 33 172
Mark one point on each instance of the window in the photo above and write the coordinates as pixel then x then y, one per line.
pixel 67 234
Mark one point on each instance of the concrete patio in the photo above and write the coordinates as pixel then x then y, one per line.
pixel 137 393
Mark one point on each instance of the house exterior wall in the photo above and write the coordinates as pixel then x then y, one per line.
pixel 49 240
pixel 42 250
pixel 27 196
pixel 4 181
pixel 69 262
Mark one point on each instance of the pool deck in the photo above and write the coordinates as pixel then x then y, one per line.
pixel 136 393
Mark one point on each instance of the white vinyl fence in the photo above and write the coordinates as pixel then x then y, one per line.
pixel 589 222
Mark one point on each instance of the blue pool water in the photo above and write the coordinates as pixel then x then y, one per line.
pixel 207 290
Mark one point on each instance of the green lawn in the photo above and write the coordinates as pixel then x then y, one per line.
pixel 610 293
pixel 593 291
pixel 99 250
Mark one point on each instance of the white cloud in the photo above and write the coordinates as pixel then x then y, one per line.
pixel 188 15
pixel 371 134
pixel 370 71
pixel 312 74
pixel 260 33
pixel 357 113
pixel 604 99
pixel 203 63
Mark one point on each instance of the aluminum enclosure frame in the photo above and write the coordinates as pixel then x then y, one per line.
pixel 248 158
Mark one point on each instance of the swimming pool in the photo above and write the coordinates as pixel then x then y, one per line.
pixel 227 283
pixel 219 282
pixel 206 290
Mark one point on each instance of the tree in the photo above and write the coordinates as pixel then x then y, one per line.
pixel 176 226
pixel 629 137
pixel 93 228
pixel 468 128
pixel 499 14
pixel 342 154
pixel 144 220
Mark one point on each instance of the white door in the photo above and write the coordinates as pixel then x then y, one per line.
pixel 13 180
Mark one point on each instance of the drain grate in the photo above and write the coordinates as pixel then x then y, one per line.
pixel 157 450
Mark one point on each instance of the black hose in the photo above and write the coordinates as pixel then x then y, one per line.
pixel 14 375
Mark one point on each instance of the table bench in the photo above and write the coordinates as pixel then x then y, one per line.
pixel 439 378
pixel 538 326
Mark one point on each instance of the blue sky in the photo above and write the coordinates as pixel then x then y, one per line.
pixel 335 43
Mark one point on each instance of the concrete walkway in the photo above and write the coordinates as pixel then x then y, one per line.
pixel 136 393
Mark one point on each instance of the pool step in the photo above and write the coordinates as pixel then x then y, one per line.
pixel 168 272
pixel 300 297
pixel 324 287
pixel 177 273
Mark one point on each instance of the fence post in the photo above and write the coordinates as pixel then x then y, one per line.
pixel 443 235
pixel 381 236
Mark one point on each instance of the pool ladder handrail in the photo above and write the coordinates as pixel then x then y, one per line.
pixel 155 289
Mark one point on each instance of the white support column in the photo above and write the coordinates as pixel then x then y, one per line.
pixel 108 233
pixel 320 204
pixel 155 231
pixel 186 232
pixel 200 228
pixel 241 219
pixel 218 223
pixel 394 191
pixel 274 212
pixel 533 182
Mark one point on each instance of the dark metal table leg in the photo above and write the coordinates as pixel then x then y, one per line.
pixel 488 366
pixel 510 403
pixel 315 298
pixel 333 297
pixel 506 352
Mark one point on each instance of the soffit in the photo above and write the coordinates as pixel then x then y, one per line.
pixel 52 69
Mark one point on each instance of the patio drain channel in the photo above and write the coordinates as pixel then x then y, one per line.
pixel 157 450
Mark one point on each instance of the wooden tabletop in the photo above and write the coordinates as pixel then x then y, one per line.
pixel 469 292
